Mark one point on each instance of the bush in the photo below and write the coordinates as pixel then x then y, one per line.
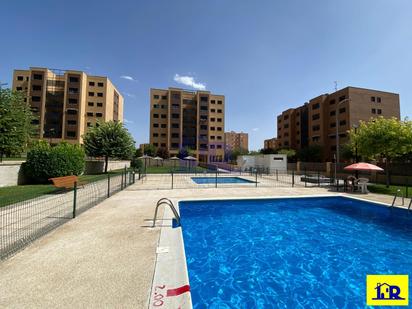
pixel 44 162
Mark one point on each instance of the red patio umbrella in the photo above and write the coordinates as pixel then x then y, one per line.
pixel 362 166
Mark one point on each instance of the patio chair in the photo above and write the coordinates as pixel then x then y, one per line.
pixel 352 183
pixel 363 184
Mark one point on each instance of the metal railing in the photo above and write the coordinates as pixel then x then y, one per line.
pixel 25 221
pixel 166 201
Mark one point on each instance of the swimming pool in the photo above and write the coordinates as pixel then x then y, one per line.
pixel 209 180
pixel 291 253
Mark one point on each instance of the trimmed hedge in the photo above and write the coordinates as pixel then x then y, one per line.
pixel 44 161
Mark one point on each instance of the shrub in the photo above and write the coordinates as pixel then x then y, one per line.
pixel 44 162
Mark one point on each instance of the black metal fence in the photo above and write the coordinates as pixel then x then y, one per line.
pixel 25 221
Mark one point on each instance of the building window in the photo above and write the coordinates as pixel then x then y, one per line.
pixel 91 94
pixel 373 110
pixel 212 137
pixel 175 135
pixel 73 79
pixel 175 125
pixel 316 128
pixel 316 116
pixel 378 99
pixel 379 111
pixel 155 144
pixel 100 94
pixel 19 77
pixel 203 127
pixel 163 135
pixel 333 124
pixel 163 116
pixel 341 98
pixel 72 101
pixel 175 116
pixel 71 122
pixel 219 102
pixel 163 106
pixel 212 146
pixel 155 134
pixel 175 105
pixel 204 99
pixel 72 112
pixel 342 122
pixel 19 88
pixel 331 102
pixel 203 117
pixel 73 90
pixel 219 137
pixel 212 128
pixel 332 113
pixel 35 99
pixel 89 114
pixel 91 84
pixel 100 104
pixel 315 106
pixel 163 144
pixel 155 125
pixel 90 104
pixel 219 128
pixel 212 119
pixel 373 99
pixel 155 97
pixel 219 146
pixel 286 126
pixel 203 108
pixel 342 110
pixel 212 101
pixel 155 105
pixel 99 115
pixel 163 125
pixel 155 115
pixel 316 138
pixel 219 119
pixel 212 110
pixel 164 97
pixel 100 84
pixel 71 133
pixel 89 124
pixel 286 117
pixel 36 87
pixel 219 110
pixel 175 145
pixel 37 76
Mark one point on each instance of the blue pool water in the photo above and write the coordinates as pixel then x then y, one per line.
pixel 209 180
pixel 291 253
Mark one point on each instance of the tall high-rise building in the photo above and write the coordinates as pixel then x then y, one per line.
pixel 316 122
pixel 67 102
pixel 271 143
pixel 236 141
pixel 188 119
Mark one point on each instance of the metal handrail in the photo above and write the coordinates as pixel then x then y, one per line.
pixel 410 205
pixel 166 201
pixel 396 196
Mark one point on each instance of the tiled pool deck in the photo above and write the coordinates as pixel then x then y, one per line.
pixel 106 257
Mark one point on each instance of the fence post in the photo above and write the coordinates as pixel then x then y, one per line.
pixel 125 176
pixel 256 177
pixel 293 178
pixel 406 189
pixel 74 199
pixel 172 179
pixel 121 184
pixel 108 185
pixel 277 176
pixel 318 179
pixel 305 179
pixel 216 179
pixel 134 176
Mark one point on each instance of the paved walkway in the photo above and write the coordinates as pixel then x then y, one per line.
pixel 106 256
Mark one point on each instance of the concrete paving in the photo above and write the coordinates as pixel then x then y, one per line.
pixel 106 257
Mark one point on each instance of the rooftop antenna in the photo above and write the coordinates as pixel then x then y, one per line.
pixel 336 85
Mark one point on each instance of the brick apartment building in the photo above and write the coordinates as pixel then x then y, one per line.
pixel 68 102
pixel 193 119
pixel 236 141
pixel 314 123
pixel 271 143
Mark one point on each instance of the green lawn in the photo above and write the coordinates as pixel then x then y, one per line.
pixel 167 169
pixel 382 189
pixel 14 194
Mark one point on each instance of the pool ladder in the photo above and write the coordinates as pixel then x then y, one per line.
pixel 166 201
pixel 403 199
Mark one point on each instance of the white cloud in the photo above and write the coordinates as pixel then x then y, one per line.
pixel 130 95
pixel 189 81
pixel 255 129
pixel 127 121
pixel 128 78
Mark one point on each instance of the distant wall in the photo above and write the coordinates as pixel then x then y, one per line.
pixel 97 166
pixel 11 172
pixel 269 161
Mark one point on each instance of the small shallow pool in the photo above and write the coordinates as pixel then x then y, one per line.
pixel 210 180
pixel 291 253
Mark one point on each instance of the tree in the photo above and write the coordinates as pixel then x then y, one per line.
pixel 162 152
pixel 185 152
pixel 311 153
pixel 149 150
pixel 109 140
pixel 290 153
pixel 16 126
pixel 231 155
pixel 267 151
pixel 382 138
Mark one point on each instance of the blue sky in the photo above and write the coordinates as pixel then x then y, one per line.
pixel 264 56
